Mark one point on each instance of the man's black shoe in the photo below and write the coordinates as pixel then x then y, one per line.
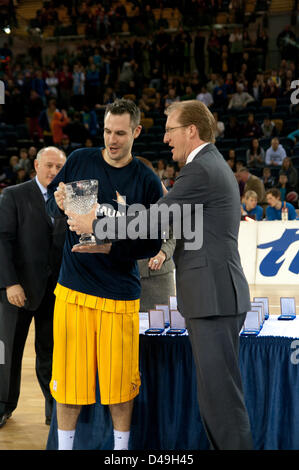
pixel 3 418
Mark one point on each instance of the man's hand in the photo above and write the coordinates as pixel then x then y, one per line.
pixel 156 262
pixel 16 295
pixel 60 196
pixel 105 248
pixel 81 223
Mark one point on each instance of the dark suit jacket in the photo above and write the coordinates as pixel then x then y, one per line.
pixel 210 280
pixel 30 244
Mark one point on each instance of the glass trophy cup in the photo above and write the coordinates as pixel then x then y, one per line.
pixel 80 197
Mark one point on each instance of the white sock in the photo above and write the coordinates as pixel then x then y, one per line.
pixel 65 439
pixel 121 440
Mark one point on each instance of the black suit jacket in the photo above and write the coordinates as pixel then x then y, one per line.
pixel 30 244
pixel 209 279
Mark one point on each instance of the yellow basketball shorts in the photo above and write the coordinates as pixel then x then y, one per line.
pixel 93 334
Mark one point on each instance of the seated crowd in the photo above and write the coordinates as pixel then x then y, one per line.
pixel 62 102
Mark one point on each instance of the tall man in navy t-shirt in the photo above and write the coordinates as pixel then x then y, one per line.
pixel 96 317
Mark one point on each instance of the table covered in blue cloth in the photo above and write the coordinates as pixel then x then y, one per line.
pixel 166 414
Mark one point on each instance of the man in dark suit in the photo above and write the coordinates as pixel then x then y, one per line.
pixel 30 254
pixel 212 291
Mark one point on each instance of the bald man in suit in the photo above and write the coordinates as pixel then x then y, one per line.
pixel 30 254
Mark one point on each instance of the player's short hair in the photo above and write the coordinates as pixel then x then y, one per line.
pixel 123 106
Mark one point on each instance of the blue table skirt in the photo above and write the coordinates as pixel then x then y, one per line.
pixel 166 414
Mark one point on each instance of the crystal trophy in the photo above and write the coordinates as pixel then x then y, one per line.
pixel 80 197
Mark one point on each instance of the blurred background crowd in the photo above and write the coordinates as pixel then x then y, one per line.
pixel 61 62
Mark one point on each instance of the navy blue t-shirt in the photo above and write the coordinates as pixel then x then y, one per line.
pixel 113 276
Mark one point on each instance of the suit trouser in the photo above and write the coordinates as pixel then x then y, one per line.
pixel 215 347
pixel 14 327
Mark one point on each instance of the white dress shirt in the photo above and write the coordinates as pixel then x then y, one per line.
pixel 42 188
pixel 195 152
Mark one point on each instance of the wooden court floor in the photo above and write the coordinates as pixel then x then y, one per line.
pixel 26 429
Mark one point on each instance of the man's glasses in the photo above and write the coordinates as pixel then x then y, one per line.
pixel 169 129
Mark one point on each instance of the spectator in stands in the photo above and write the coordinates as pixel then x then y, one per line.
pixel 275 153
pixel 220 94
pixel 252 183
pixel 291 172
pixel 78 86
pixel 59 121
pixel 231 163
pixel 52 83
pixel 240 99
pixel 255 155
pixel 283 186
pixel 213 49
pixel 199 51
pixel 32 152
pixel 171 97
pixel 236 48
pixel 39 85
pixel 169 177
pixel 65 83
pixel 220 127
pixel 268 128
pixel 90 120
pixel 225 58
pixel 108 97
pixel 250 206
pixel 267 178
pixel 22 176
pixel 65 145
pixel 145 103
pixel 262 45
pixel 11 170
pixel 232 154
pixel 205 96
pixel 271 90
pixel 273 211
pixel 233 129
pixel 285 42
pixel 275 78
pixel 294 135
pixel 256 91
pixel 92 84
pixel 35 108
pixel 24 162
pixel 251 127
pixel 189 94
pixel 161 169
pixel 212 83
pixel 76 130
pixel 45 120
pixel 230 84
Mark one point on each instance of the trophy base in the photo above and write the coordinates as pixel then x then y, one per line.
pixel 87 239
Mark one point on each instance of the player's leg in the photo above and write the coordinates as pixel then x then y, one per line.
pixel 118 364
pixel 73 382
pixel 121 414
pixel 67 417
